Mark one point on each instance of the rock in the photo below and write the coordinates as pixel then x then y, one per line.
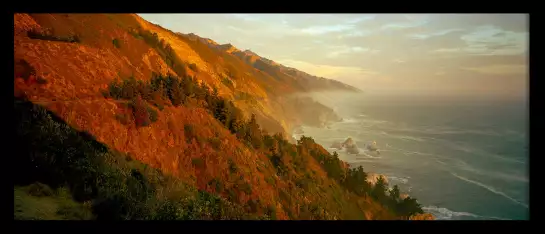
pixel 353 149
pixel 372 146
pixel 349 143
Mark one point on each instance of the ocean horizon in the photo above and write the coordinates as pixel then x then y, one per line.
pixel 462 159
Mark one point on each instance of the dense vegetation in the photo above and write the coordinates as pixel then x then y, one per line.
pixel 164 50
pixel 69 174
pixel 180 91
pixel 49 35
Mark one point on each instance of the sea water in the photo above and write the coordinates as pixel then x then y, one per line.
pixel 461 158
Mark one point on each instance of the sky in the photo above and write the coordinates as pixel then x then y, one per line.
pixel 425 54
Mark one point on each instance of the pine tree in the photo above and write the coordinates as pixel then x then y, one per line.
pixel 394 193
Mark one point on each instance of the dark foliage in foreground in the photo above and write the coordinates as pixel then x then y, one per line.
pixel 56 155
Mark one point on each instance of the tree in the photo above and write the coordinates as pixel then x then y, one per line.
pixel 141 112
pixel 174 92
pixel 254 133
pixel 394 193
pixel 379 191
pixel 409 206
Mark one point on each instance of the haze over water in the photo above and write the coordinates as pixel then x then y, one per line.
pixel 461 158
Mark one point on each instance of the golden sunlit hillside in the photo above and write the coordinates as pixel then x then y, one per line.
pixel 122 119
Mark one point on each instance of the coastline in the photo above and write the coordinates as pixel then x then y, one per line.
pixel 372 177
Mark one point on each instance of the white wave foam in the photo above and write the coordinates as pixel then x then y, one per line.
pixel 466 167
pixel 441 162
pixel 349 120
pixel 489 188
pixel 406 152
pixel 400 179
pixel 441 213
pixel 463 147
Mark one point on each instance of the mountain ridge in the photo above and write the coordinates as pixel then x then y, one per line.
pixel 141 94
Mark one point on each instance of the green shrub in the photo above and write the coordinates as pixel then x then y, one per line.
pixel 215 142
pixel 197 162
pixel 143 114
pixel 227 82
pixel 246 188
pixel 270 181
pixel 116 43
pixel 48 35
pixel 216 184
pixel 232 167
pixel 189 131
pixel 193 67
pixel 41 80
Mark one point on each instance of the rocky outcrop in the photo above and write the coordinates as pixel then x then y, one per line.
pixel 353 149
pixel 349 143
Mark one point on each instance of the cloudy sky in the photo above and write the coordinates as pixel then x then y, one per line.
pixel 485 54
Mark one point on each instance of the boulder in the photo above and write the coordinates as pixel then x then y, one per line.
pixel 353 149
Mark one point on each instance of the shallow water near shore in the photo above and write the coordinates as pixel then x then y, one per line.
pixel 462 159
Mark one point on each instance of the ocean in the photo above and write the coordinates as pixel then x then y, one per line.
pixel 462 158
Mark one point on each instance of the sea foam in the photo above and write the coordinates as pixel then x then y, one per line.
pixel 489 188
pixel 441 213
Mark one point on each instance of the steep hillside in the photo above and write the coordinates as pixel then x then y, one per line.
pixel 137 122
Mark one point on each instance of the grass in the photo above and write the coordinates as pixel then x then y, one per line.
pixel 39 202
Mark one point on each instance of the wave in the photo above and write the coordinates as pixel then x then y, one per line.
pixel 403 137
pixel 406 152
pixel 466 167
pixel 463 147
pixel 349 120
pixel 400 179
pixel 367 156
pixel 441 213
pixel 489 188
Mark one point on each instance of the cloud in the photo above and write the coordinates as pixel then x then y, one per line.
pixel 355 33
pixel 337 51
pixel 319 30
pixel 404 25
pixel 327 70
pixel 515 69
pixel 435 34
pixel 446 50
pixel 399 61
pixel 359 19
pixel 492 40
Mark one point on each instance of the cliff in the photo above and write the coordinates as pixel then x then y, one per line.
pixel 139 122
